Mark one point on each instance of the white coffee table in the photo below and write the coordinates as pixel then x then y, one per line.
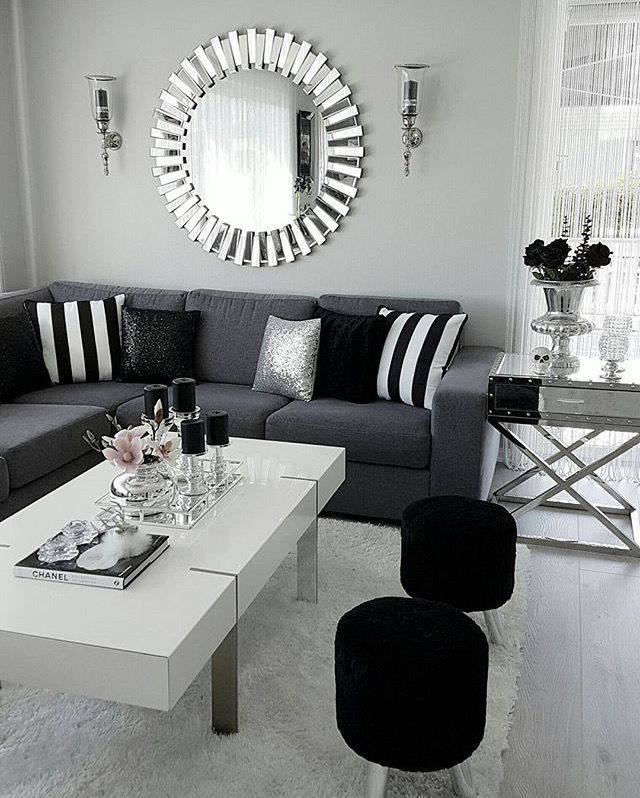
pixel 145 645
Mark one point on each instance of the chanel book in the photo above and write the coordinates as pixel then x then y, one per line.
pixel 117 577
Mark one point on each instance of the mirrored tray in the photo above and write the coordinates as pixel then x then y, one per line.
pixel 164 511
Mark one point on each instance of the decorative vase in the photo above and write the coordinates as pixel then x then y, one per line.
pixel 561 321
pixel 132 490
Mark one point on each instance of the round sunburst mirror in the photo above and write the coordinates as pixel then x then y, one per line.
pixel 257 147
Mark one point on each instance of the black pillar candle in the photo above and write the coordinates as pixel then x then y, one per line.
pixel 217 428
pixel 153 393
pixel 183 392
pixel 192 431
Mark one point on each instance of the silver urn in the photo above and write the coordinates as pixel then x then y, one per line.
pixel 562 321
pixel 132 491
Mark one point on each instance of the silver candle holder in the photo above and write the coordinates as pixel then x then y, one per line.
pixel 613 348
pixel 218 472
pixel 189 480
pixel 179 416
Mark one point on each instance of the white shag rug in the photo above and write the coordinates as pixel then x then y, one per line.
pixel 288 746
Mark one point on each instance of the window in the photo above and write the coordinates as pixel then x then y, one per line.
pixel 579 154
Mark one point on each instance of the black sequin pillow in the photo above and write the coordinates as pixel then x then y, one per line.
pixel 349 355
pixel 22 367
pixel 157 345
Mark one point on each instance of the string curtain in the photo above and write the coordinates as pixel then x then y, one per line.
pixel 578 154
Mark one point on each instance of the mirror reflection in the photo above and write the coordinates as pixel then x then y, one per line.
pixel 256 150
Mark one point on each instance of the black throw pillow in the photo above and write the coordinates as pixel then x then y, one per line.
pixel 22 367
pixel 157 345
pixel 349 355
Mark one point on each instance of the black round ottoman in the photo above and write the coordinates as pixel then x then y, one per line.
pixel 411 683
pixel 460 551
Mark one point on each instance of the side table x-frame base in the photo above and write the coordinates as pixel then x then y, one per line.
pixel 630 545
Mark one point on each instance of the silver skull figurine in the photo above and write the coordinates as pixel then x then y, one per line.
pixel 540 360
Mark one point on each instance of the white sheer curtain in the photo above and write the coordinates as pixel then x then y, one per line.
pixel 578 153
pixel 243 149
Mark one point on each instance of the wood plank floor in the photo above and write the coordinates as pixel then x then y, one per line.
pixel 576 729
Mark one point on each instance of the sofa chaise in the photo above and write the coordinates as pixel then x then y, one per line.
pixel 395 453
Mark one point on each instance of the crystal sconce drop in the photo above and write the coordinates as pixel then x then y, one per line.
pixel 100 92
pixel 410 99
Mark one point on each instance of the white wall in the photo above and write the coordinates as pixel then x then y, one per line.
pixel 443 232
pixel 12 248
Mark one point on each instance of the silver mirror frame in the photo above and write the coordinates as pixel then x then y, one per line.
pixel 199 73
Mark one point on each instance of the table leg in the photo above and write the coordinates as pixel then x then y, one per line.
pixel 224 685
pixel 504 490
pixel 376 780
pixel 564 451
pixel 494 626
pixel 462 781
pixel 308 564
pixel 630 547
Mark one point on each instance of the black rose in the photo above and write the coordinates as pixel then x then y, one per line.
pixel 555 253
pixel 533 253
pixel 598 255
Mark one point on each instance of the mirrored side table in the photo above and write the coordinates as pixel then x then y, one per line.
pixel 583 400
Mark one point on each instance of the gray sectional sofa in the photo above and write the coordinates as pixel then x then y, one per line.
pixel 395 453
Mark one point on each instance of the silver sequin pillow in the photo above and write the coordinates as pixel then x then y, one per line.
pixel 287 361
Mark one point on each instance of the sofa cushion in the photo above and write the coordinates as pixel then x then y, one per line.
pixel 288 357
pixel 416 354
pixel 157 345
pixel 80 340
pixel 106 395
pixel 231 330
pixel 368 305
pixel 37 439
pixel 13 301
pixel 247 409
pixel 349 355
pixel 379 432
pixel 150 298
pixel 22 366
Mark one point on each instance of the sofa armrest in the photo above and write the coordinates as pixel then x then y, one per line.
pixel 4 480
pixel 464 447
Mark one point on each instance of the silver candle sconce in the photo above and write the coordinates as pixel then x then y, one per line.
pixel 101 96
pixel 410 77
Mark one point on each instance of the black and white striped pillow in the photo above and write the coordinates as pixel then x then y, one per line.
pixel 80 340
pixel 417 352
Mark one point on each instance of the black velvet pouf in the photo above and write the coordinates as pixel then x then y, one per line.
pixel 411 683
pixel 460 551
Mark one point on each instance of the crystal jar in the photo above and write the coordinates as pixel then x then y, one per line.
pixel 613 348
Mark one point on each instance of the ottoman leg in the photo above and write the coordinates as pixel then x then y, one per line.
pixel 494 626
pixel 376 784
pixel 462 781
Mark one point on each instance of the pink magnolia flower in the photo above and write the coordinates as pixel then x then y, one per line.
pixel 127 450
pixel 166 447
pixel 132 432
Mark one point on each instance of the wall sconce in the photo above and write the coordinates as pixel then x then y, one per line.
pixel 102 110
pixel 410 99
